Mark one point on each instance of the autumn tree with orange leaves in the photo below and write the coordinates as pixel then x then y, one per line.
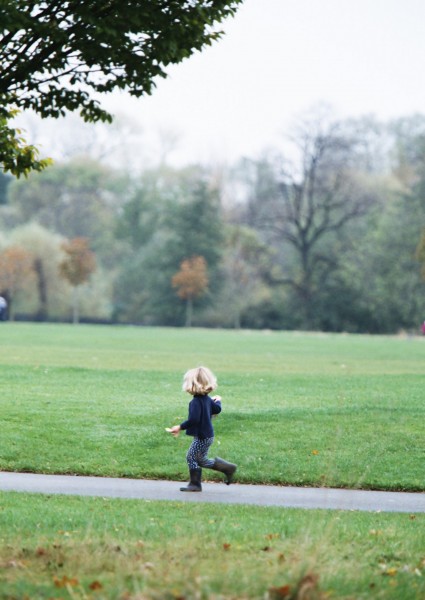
pixel 16 271
pixel 76 268
pixel 191 282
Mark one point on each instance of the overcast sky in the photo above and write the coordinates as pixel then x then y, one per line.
pixel 279 58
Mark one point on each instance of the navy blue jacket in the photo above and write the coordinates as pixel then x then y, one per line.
pixel 198 423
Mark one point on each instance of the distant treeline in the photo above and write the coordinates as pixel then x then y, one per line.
pixel 327 234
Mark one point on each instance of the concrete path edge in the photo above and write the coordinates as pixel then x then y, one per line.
pixel 261 495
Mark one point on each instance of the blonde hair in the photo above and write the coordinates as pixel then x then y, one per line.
pixel 199 381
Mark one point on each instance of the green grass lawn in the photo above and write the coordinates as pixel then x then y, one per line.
pixel 299 409
pixel 80 548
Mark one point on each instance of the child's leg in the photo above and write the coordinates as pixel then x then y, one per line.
pixel 195 460
pixel 197 455
pixel 224 467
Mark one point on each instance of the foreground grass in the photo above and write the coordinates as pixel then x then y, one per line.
pixel 80 548
pixel 302 409
pixel 298 408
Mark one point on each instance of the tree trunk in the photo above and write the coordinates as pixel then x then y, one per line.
pixel 305 289
pixel 42 289
pixel 189 312
pixel 75 305
pixel 10 312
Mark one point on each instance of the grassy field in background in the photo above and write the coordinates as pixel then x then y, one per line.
pixel 81 548
pixel 298 408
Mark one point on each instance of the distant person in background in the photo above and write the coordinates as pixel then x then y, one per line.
pixel 423 328
pixel 3 309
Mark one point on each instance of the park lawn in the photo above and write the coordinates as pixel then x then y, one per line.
pixel 79 548
pixel 298 408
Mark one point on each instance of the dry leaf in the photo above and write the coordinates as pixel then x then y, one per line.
pixel 390 572
pixel 308 588
pixel 15 564
pixel 95 585
pixel 65 581
pixel 279 593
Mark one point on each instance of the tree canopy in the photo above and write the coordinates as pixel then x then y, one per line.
pixel 190 282
pixel 328 237
pixel 55 56
pixel 79 264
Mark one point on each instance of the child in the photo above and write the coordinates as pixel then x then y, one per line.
pixel 199 383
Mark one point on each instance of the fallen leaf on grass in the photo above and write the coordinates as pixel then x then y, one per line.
pixel 177 595
pixel 65 581
pixel 390 572
pixel 226 546
pixel 279 593
pixel 306 589
pixel 14 564
pixel 95 585
pixel 315 452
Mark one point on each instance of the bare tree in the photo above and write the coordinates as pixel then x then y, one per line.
pixel 316 195
pixel 241 268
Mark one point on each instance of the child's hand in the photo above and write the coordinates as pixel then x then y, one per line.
pixel 216 398
pixel 173 430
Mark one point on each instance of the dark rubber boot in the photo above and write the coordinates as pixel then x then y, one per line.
pixel 195 481
pixel 225 467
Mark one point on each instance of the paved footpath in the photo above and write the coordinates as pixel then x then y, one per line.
pixel 262 495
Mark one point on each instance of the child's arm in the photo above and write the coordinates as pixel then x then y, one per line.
pixel 192 419
pixel 175 430
pixel 216 405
